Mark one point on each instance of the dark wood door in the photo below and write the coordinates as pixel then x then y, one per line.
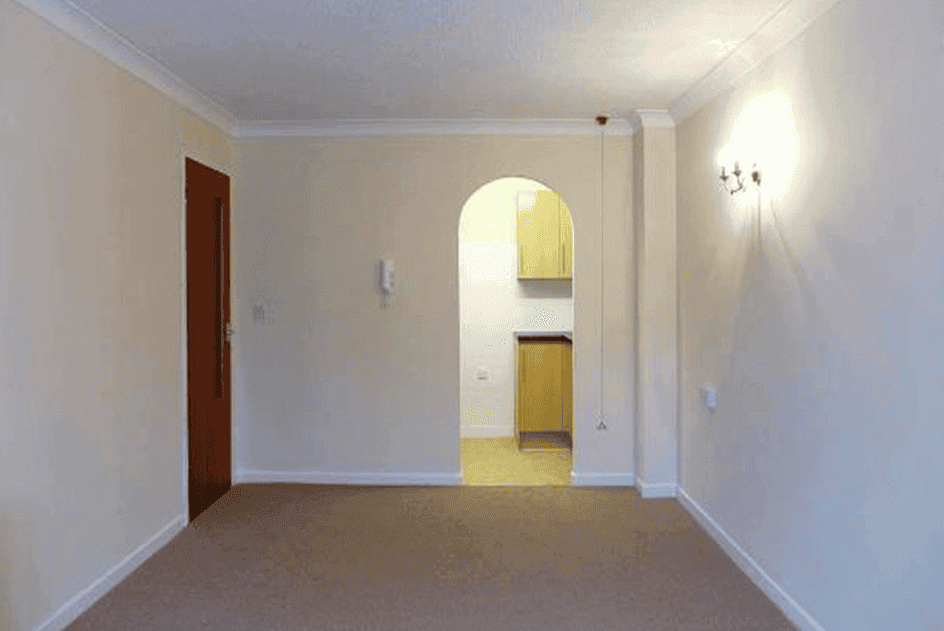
pixel 208 346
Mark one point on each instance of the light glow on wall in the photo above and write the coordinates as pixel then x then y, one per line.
pixel 764 133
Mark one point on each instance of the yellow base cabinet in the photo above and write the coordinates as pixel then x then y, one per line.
pixel 544 385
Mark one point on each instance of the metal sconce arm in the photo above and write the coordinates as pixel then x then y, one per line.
pixel 738 178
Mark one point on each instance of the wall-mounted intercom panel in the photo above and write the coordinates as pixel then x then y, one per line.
pixel 386 276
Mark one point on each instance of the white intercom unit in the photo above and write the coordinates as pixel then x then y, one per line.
pixel 386 276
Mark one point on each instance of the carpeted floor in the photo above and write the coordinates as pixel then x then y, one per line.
pixel 300 557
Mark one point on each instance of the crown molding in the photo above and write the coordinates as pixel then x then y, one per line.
pixel 648 119
pixel 785 24
pixel 791 19
pixel 87 30
pixel 428 127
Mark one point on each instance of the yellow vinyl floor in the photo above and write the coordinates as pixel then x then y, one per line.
pixel 498 462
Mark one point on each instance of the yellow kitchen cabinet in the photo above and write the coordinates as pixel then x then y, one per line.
pixel 544 385
pixel 545 236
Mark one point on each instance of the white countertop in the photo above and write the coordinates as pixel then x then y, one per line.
pixel 549 333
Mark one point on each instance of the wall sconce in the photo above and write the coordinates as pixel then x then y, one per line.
pixel 738 178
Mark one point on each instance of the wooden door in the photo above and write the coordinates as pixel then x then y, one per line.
pixel 539 241
pixel 567 241
pixel 541 387
pixel 208 349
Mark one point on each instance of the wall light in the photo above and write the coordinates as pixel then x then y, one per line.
pixel 764 132
pixel 737 177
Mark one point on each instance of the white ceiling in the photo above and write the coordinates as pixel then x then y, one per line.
pixel 299 60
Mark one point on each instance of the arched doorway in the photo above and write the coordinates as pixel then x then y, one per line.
pixel 516 309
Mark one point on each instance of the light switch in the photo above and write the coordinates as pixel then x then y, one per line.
pixel 261 313
pixel 709 396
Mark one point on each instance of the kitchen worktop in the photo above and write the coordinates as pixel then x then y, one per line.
pixel 545 333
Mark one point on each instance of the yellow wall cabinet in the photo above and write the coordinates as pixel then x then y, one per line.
pixel 545 236
pixel 544 385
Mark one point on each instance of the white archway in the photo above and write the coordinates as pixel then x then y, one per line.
pixel 493 304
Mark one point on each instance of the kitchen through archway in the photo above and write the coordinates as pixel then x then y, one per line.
pixel 516 322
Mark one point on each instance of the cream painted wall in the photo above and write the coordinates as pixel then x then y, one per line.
pixel 494 304
pixel 335 383
pixel 656 311
pixel 822 323
pixel 90 216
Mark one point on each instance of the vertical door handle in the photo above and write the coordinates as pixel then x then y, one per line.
pixel 221 285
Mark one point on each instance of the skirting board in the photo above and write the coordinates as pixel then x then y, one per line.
pixel 367 478
pixel 487 431
pixel 602 479
pixel 790 608
pixel 656 490
pixel 90 595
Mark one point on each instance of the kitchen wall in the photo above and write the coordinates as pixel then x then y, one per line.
pixel 817 310
pixel 493 304
pixel 332 384
pixel 90 216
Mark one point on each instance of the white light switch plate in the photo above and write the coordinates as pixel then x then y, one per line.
pixel 709 396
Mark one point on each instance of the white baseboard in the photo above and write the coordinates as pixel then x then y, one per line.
pixel 243 476
pixel 602 479
pixel 790 608
pixel 487 431
pixel 79 603
pixel 656 490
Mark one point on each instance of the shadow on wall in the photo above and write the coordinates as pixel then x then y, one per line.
pixel 780 301
pixel 563 289
pixel 782 305
pixel 17 577
pixel 776 304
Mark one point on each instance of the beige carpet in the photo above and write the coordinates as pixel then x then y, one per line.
pixel 306 557
pixel 499 462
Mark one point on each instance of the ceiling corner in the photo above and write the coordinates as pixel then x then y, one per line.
pixel 87 30
pixel 648 119
pixel 784 25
